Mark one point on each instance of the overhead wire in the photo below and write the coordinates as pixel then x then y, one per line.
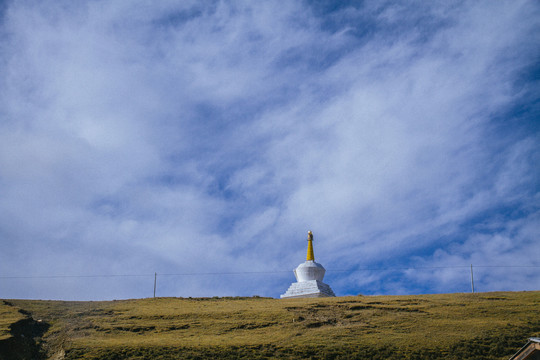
pixel 258 272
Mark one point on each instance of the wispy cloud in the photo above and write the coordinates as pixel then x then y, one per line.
pixel 189 138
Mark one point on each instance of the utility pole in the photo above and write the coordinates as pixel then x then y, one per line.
pixel 155 280
pixel 472 280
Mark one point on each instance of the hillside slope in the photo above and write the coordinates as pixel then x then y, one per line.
pixel 450 326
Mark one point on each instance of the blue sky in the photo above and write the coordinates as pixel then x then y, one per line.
pixel 208 137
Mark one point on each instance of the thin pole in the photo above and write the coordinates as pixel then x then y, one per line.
pixel 155 280
pixel 472 280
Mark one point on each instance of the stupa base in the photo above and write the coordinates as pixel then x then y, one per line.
pixel 308 289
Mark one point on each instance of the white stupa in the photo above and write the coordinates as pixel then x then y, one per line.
pixel 309 276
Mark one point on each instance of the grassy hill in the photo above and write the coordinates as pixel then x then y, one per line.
pixel 450 326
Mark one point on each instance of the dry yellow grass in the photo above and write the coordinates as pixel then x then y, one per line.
pixel 8 316
pixel 426 326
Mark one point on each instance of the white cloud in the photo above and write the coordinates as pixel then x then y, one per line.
pixel 204 138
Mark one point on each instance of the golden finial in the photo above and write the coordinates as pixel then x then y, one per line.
pixel 310 256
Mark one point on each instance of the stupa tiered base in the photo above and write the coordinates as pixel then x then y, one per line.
pixel 308 289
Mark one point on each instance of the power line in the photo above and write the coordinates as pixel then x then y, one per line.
pixel 228 273
pixel 263 272
pixel 75 276
pixel 507 266
pixel 435 267
pixel 141 275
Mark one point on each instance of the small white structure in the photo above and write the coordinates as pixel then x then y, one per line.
pixel 309 276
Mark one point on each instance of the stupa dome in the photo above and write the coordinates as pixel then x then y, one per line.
pixel 310 270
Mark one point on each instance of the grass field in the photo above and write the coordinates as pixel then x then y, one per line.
pixel 451 326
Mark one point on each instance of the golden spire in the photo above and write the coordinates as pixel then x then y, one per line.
pixel 310 256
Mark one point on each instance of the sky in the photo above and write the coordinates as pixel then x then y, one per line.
pixel 201 140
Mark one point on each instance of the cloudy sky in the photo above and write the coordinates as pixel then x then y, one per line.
pixel 208 137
